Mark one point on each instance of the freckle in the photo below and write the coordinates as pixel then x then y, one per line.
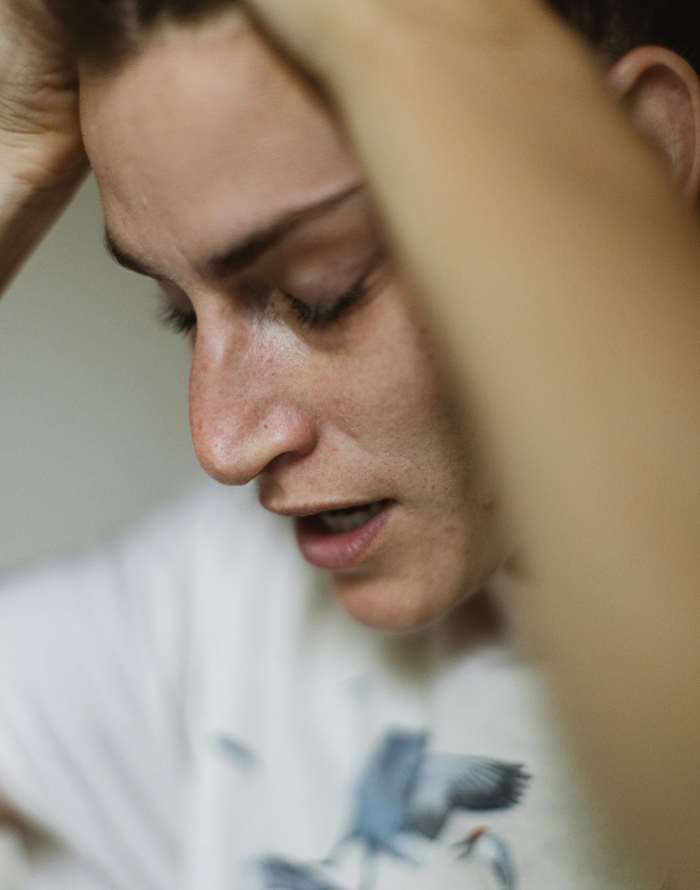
pixel 489 506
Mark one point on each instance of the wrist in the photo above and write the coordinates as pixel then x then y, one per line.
pixel 342 34
pixel 33 192
pixel 39 166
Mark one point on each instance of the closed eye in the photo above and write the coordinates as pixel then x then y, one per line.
pixel 177 320
pixel 320 315
pixel 323 315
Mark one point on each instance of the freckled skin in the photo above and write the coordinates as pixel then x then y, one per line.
pixel 201 139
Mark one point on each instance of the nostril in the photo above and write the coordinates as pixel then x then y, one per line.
pixel 235 449
pixel 244 411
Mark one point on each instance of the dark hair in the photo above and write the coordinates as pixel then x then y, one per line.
pixel 105 30
pixel 618 26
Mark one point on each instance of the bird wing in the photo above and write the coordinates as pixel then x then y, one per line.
pixel 279 874
pixel 449 781
pixel 384 791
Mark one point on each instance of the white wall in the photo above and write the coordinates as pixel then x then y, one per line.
pixel 93 396
pixel 93 404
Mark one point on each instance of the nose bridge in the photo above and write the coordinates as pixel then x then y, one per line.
pixel 243 407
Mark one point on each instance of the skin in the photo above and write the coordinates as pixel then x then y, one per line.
pixel 560 274
pixel 615 562
pixel 353 413
pixel 42 159
pixel 539 341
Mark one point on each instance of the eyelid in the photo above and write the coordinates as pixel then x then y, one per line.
pixel 311 314
pixel 174 319
pixel 322 315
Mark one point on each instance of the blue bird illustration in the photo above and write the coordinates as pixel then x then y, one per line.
pixel 406 789
pixel 486 846
pixel 238 752
pixel 448 782
pixel 276 873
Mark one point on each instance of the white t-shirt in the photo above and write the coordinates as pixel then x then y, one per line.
pixel 190 709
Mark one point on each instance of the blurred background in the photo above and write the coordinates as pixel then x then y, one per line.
pixel 93 401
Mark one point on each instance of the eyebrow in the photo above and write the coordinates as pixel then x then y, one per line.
pixel 245 253
pixel 129 262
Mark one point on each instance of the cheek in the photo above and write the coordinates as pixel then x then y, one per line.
pixel 397 394
pixel 417 434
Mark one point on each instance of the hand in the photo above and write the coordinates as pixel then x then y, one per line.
pixel 39 122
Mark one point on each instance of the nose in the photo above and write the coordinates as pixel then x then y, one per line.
pixel 244 416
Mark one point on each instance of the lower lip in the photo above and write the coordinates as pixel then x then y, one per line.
pixel 338 553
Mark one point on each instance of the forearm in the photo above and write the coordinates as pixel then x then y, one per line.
pixel 560 273
pixel 29 205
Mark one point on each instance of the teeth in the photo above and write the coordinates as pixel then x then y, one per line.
pixel 339 522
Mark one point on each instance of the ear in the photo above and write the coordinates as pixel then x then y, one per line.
pixel 662 93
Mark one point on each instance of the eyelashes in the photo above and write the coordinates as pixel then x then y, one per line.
pixel 174 319
pixel 317 317
pixel 323 315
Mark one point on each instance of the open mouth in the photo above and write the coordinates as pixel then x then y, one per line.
pixel 340 522
pixel 341 539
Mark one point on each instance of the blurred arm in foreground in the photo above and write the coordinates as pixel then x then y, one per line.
pixel 559 269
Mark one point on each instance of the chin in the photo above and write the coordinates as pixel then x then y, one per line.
pixel 396 605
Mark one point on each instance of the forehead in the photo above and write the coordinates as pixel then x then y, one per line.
pixel 207 134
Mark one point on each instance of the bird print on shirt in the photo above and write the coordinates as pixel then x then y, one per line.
pixel 275 873
pixel 486 846
pixel 407 789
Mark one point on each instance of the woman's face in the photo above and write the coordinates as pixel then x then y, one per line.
pixel 224 178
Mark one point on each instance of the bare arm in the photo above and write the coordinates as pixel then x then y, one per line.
pixel 561 274
pixel 41 156
pixel 27 210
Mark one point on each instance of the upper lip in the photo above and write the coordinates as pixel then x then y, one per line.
pixel 313 509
